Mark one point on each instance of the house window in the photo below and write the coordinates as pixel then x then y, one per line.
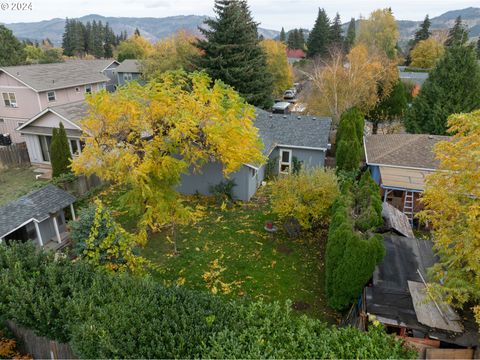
pixel 88 89
pixel 45 142
pixel 127 76
pixel 100 86
pixel 2 120
pixel 9 99
pixel 253 172
pixel 285 165
pixel 75 147
pixel 51 96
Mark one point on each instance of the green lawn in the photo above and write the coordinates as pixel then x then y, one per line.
pixel 250 262
pixel 16 182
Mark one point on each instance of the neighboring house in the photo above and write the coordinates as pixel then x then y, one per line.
pixel 287 138
pixel 128 70
pixel 37 132
pixel 38 216
pixel 399 163
pixel 29 89
pixel 295 55
pixel 415 77
pixel 397 298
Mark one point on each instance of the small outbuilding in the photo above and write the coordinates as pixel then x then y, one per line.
pixel 38 216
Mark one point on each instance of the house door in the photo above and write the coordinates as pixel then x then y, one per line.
pixel 285 166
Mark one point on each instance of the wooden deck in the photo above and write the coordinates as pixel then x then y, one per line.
pixel 54 245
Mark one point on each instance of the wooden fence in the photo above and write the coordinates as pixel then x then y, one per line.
pixel 39 347
pixel 14 155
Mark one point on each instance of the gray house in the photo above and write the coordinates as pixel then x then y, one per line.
pixel 287 138
pixel 38 216
pixel 128 70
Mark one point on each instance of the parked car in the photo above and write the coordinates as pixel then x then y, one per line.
pixel 282 107
pixel 289 94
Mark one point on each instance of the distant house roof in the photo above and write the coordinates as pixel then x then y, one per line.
pixel 296 53
pixel 292 131
pixel 418 77
pixel 35 206
pixel 129 66
pixel 402 150
pixel 43 77
pixel 71 112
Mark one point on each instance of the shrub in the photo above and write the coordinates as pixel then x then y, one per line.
pixel 223 191
pixel 306 197
pixel 349 140
pixel 105 315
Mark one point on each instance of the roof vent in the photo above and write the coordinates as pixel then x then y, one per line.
pixel 299 117
pixel 430 137
pixel 314 118
pixel 284 116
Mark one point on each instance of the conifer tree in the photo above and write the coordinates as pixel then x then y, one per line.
pixel 423 33
pixel 318 41
pixel 60 152
pixel 458 34
pixel 453 86
pixel 232 53
pixel 336 37
pixel 301 39
pixel 350 36
pixel 283 36
pixel 137 32
pixel 478 48
pixel 11 50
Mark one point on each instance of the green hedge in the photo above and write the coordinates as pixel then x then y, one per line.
pixel 103 315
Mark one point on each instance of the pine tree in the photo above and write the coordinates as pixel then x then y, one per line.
pixel 232 53
pixel 453 86
pixel 336 37
pixel 318 41
pixel 350 37
pixel 293 39
pixel 283 36
pixel 301 39
pixel 478 48
pixel 424 32
pixel 11 50
pixel 458 34
pixel 137 32
pixel 60 152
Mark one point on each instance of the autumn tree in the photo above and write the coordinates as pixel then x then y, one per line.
pixel 452 208
pixel 380 31
pixel 173 53
pixel 144 138
pixel 135 47
pixel 426 53
pixel 278 66
pixel 339 87
pixel 319 40
pixel 231 52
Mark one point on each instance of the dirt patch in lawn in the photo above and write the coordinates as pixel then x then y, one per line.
pixel 300 305
pixel 284 249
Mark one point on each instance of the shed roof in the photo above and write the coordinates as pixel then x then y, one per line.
pixel 129 66
pixel 35 206
pixel 402 150
pixel 43 77
pixel 292 130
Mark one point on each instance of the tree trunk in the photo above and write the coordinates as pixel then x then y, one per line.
pixel 174 238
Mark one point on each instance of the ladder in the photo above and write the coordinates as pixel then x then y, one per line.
pixel 408 206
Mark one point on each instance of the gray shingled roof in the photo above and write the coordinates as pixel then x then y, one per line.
pixel 403 150
pixel 43 77
pixel 37 205
pixel 293 130
pixel 74 112
pixel 129 66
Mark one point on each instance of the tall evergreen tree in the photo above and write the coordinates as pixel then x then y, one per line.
pixel 11 50
pixel 60 152
pixel 232 53
pixel 453 86
pixel 137 32
pixel 423 33
pixel 458 34
pixel 301 39
pixel 336 37
pixel 283 36
pixel 478 48
pixel 293 39
pixel 350 36
pixel 319 39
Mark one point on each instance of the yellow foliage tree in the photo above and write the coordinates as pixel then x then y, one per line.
pixel 135 47
pixel 353 80
pixel 144 138
pixel 173 53
pixel 278 66
pixel 452 207
pixel 380 31
pixel 305 197
pixel 426 53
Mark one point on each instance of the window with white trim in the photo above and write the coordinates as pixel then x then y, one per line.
pixel 285 165
pixel 9 99
pixel 75 147
pixel 100 86
pixel 127 76
pixel 88 89
pixel 51 96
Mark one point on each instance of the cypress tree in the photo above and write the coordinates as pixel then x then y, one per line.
pixel 60 152
pixel 453 86
pixel 424 32
pixel 11 50
pixel 283 36
pixel 336 37
pixel 349 139
pixel 350 36
pixel 232 53
pixel 458 34
pixel 137 32
pixel 318 41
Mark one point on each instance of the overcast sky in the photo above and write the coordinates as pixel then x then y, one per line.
pixel 272 14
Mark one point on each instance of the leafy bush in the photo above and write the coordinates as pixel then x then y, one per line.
pixel 105 315
pixel 306 197
pixel 223 191
pixel 270 167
